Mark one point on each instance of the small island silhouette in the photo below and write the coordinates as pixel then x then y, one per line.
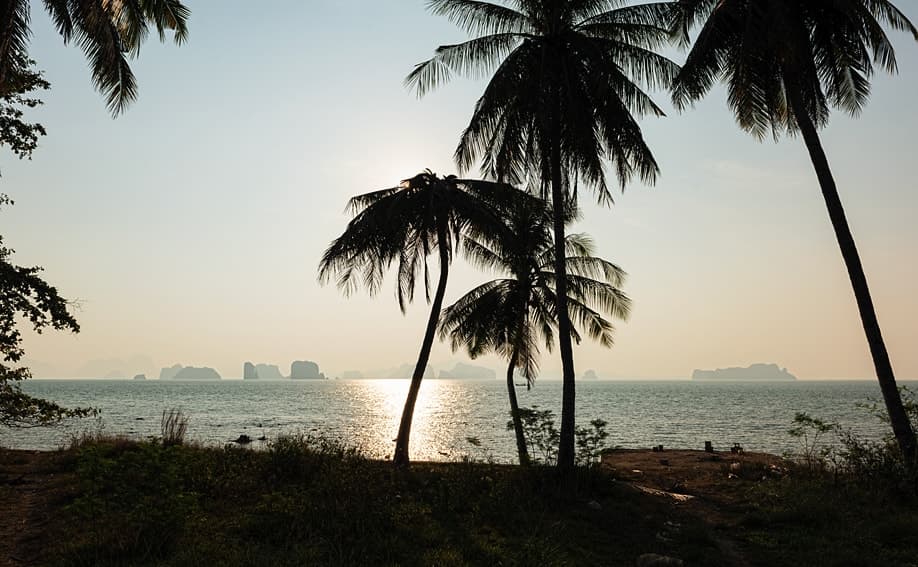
pixel 755 372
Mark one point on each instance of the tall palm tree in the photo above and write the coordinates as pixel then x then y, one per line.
pixel 567 83
pixel 108 31
pixel 404 225
pixel 786 63
pixel 511 316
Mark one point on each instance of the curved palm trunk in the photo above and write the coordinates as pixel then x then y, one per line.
pixel 515 414
pixel 566 444
pixel 905 435
pixel 404 429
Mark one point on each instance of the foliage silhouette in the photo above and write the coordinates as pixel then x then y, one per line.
pixel 24 294
pixel 110 32
pixel 785 64
pixel 512 315
pixel 16 96
pixel 403 225
pixel 567 79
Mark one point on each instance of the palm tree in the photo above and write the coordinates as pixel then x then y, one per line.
pixel 786 62
pixel 404 225
pixel 108 31
pixel 512 315
pixel 568 80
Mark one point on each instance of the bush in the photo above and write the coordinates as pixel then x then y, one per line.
pixel 873 465
pixel 543 439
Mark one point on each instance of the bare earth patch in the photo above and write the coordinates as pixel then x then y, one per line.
pixel 32 488
pixel 708 487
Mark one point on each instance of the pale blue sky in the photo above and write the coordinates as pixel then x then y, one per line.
pixel 191 226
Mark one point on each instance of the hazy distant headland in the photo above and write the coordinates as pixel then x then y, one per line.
pixel 459 371
pixel 468 372
pixel 755 372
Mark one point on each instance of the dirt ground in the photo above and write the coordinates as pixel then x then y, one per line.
pixel 708 487
pixel 32 488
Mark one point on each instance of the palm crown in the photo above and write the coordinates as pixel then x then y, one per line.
pixel 108 31
pixel 512 316
pixel 823 50
pixel 403 225
pixel 580 65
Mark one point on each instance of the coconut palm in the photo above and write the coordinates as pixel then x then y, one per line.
pixel 511 316
pixel 108 31
pixel 786 63
pixel 568 79
pixel 403 225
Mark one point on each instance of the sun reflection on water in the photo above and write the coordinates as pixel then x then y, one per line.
pixel 438 413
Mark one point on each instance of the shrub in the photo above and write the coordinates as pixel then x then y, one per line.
pixel 543 438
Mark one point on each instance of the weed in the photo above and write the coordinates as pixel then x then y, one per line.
pixel 173 425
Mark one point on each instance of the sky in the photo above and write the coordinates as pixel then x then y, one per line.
pixel 189 229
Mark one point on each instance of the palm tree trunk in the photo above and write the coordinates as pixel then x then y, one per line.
pixel 404 429
pixel 515 414
pixel 566 443
pixel 905 435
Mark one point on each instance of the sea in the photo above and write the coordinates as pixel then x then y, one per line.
pixel 456 419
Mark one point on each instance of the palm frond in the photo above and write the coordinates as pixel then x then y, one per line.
pixel 14 39
pixel 481 18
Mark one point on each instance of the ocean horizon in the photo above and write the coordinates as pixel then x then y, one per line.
pixel 677 413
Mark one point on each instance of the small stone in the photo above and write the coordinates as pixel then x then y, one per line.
pixel 594 505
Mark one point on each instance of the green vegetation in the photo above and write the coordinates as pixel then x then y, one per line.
pixel 308 500
pixel 312 501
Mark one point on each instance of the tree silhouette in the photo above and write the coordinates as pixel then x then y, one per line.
pixel 403 225
pixel 108 31
pixel 567 79
pixel 25 296
pixel 786 63
pixel 511 316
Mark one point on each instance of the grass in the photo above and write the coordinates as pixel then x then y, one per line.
pixel 310 501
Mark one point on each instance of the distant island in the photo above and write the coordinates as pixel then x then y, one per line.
pixel 179 372
pixel 755 372
pixel 299 370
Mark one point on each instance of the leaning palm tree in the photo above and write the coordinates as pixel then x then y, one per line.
pixel 568 80
pixel 108 31
pixel 786 63
pixel 403 225
pixel 511 316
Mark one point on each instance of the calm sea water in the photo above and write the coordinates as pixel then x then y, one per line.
pixel 365 413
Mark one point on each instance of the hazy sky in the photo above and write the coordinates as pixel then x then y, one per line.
pixel 191 227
